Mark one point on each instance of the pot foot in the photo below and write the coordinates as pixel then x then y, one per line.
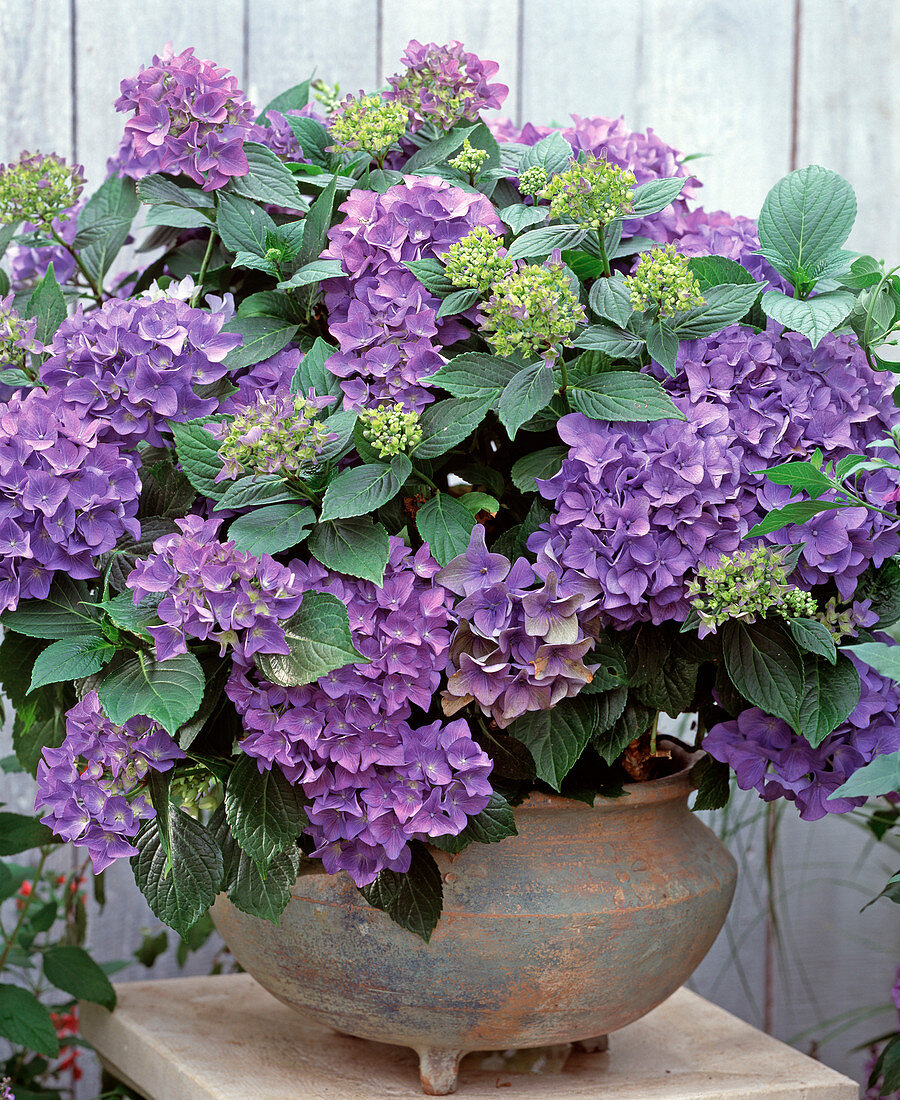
pixel 596 1045
pixel 438 1070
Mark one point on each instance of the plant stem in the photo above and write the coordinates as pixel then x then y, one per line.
pixel 26 904
pixel 96 288
pixel 565 375
pixel 213 237
pixel 603 257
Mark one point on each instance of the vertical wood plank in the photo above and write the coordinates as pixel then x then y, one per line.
pixel 36 77
pixel 115 37
pixel 490 30
pixel 288 40
pixel 850 108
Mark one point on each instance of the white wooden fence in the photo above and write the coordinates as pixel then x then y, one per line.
pixel 761 85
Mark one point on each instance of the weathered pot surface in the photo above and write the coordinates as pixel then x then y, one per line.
pixel 581 924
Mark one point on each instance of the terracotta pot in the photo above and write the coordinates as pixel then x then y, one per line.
pixel 581 924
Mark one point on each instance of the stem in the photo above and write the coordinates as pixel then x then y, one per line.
pixel 26 904
pixel 213 237
pixel 96 288
pixel 653 734
pixel 310 494
pixel 603 257
pixel 565 375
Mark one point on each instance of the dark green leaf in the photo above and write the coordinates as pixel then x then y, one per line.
pixel 356 546
pixel 446 525
pixel 414 900
pixel 813 317
pixel 72 970
pixel 881 585
pixel 243 225
pixel 41 723
pixel 624 396
pixel 495 823
pixel 814 637
pixel 539 464
pixel 792 513
pixel 128 550
pixel 176 217
pixel 169 691
pixel 25 1022
pixel 611 340
pixel 765 666
pixel 458 301
pixel 436 152
pixel 312 374
pixel 610 708
pixel 115 203
pixel 716 270
pixel 272 529
pixel 633 722
pixel 723 305
pixel 448 422
pixel 475 375
pixel 198 453
pixel 712 779
pixel 672 686
pixel 430 273
pixel 268 180
pixel 830 694
pixel 318 222
pixel 800 475
pixel 313 138
pixel 556 738
pixel 132 617
pixel 253 491
pixel 165 491
pixel 313 273
pixel 160 189
pixel 262 338
pixel 650 198
pixel 361 489
pixel 319 638
pixel 539 243
pixel 19 833
pixel 71 659
pixel 264 896
pixel 264 811
pixel 662 346
pixel 526 393
pixel 61 614
pixel 611 298
pixel 48 306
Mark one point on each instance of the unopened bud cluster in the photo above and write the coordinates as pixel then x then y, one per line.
pixel 278 434
pixel 38 188
pixel 370 123
pixel 328 95
pixel 846 622
pixel 664 280
pixel 16 336
pixel 530 310
pixel 389 430
pixel 477 260
pixel 590 191
pixel 746 586
pixel 196 793
pixel 469 159
pixel 533 179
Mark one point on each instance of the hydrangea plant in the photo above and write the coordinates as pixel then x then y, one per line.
pixel 421 463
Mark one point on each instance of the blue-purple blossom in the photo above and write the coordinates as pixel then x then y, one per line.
pixel 270 378
pixel 91 788
pixel 66 497
pixel 212 591
pixel 135 364
pixel 767 756
pixel 383 318
pixel 519 645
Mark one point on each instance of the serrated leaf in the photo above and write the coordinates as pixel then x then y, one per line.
pixel 356 546
pixel 253 491
pixel 128 550
pixel 662 346
pixel 611 298
pixel 813 317
pixel 314 140
pixel 723 305
pixel 177 217
pixel 830 695
pixel 496 822
pixel 318 222
pixel 656 195
pixel 248 890
pixel 48 307
pixel 361 489
pixel 526 393
pixel 319 638
pixel 25 1022
pixel 262 337
pixel 264 811
pixel 539 464
pixel 114 203
pixel 475 375
pixel 632 723
pixel 198 453
pixel 313 273
pixel 243 225
pixel 267 180
pixel 611 340
pixel 448 422
pixel 438 151
pixel 71 659
pixel 880 776
pixel 715 270
pixel 413 900
pixel 712 779
pixel 800 475
pixel 61 614
pixel 610 708
pixel 169 691
pixel 160 189
pixel 552 153
pixel 446 525
pixel 458 301
pixel 71 969
pixel 431 274
pixel 20 832
pixel 881 585
pixel 557 737
pixel 518 216
pixel 537 244
pixel 882 657
pixel 792 513
pixel 814 637
pixel 274 528
pixel 312 374
pixel 624 396
pixel 765 666
pixel 182 895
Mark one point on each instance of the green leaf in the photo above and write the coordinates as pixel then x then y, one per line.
pixel 446 525
pixel 723 305
pixel 272 529
pixel 458 302
pixel 662 345
pixel 254 490
pixel 19 833
pixel 71 659
pixel 265 896
pixel 61 614
pixel 198 453
pixel 879 776
pixel 830 694
pixel 539 464
pixel 319 638
pixel 712 779
pixel 318 222
pixel 800 476
pixel 765 666
pixel 448 422
pixel 526 393
pixel 160 189
pixel 552 153
pixel 414 900
pixel 135 618
pixel 495 823
pixel 128 550
pixel 176 217
pixel 262 338
pixel 268 180
pixel 475 375
pixel 115 204
pixel 294 99
pixel 611 340
pixel 881 585
pixel 716 270
pixel 634 721
pixel 356 546
pixel 792 513
pixel 25 1022
pixel 518 216
pixel 436 152
pixel 539 243
pixel 313 138
pixel 610 708
pixel 672 686
pixel 169 691
pixel 264 811
pixel 650 198
pixel 476 502
pixel 165 491
pixel 313 273
pixel 181 895
pixel 72 970
pixel 361 489
pixel 624 396
pixel 41 723
pixel 48 306
pixel 813 317
pixel 556 738
pixel 243 225
pixel 806 215
pixel 312 374
pixel 814 637
pixel 430 273
pixel 611 298
pixel 882 657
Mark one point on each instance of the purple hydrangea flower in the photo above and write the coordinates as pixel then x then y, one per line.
pixel 135 364
pixel 384 319
pixel 189 116
pixel 716 233
pixel 375 777
pixel 210 590
pixel 91 787
pixel 519 645
pixel 270 378
pixel 767 756
pixel 66 497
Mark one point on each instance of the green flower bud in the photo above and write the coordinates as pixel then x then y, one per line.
pixel 389 430
pixel 591 192
pixel 370 123
pixel 469 159
pixel 278 434
pixel 533 179
pixel 478 260
pixel 327 94
pixel 531 310
pixel 664 280
pixel 38 188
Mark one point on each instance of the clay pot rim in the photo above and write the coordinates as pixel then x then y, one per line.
pixel 667 788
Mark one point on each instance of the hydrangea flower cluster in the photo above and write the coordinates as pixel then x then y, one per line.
pixel 444 85
pixel 478 260
pixel 66 497
pixel 278 136
pixel 469 159
pixel 530 311
pixel 382 316
pixel 533 180
pixel 519 645
pixel 190 117
pixel 745 586
pixel 272 377
pixel 38 188
pixel 368 122
pixel 212 591
pixel 638 509
pixel 92 786
pixel 389 430
pixel 277 434
pixel 845 622
pixel 134 364
pixel 591 191
pixel 375 781
pixel 663 281
pixel 766 755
